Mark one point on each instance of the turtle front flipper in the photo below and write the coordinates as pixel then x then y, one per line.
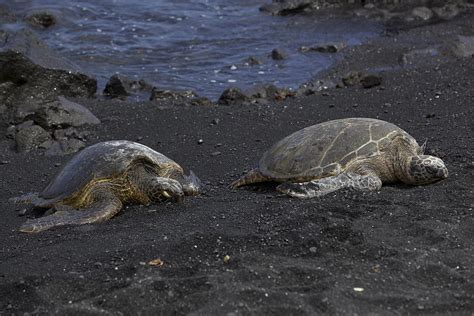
pixel 104 206
pixel 253 176
pixel 320 187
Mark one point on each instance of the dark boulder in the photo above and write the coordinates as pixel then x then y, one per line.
pixel 252 61
pixel 43 19
pixel 352 78
pixel 31 72
pixel 278 54
pixel 422 13
pixel 120 86
pixel 64 147
pixel 314 86
pixel 178 98
pixel 31 137
pixel 70 132
pixel 268 92
pixel 369 81
pixel 324 48
pixel 163 94
pixel 286 7
pixel 62 113
pixel 381 9
pixel 201 101
pixel 233 96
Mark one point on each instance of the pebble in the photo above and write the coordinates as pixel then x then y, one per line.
pixel 200 141
pixel 4 162
pixel 216 153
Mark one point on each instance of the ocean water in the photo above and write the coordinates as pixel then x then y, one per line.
pixel 201 45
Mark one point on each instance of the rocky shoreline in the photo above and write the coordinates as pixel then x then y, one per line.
pixel 248 251
pixel 35 81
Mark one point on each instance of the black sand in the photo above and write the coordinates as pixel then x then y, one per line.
pixel 409 248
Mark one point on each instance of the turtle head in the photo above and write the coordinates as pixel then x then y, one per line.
pixel 191 184
pixel 425 169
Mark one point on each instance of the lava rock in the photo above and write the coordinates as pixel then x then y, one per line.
pixel 252 61
pixel 30 138
pixel 324 48
pixel 201 101
pixel 423 13
pixel 261 92
pixel 285 7
pixel 71 132
pixel 62 113
pixel 64 147
pixel 43 19
pixel 314 87
pixel 352 78
pixel 369 81
pixel 159 94
pixel 278 94
pixel 120 86
pixel 31 72
pixel 278 54
pixel 233 96
pixel 10 132
pixel 446 12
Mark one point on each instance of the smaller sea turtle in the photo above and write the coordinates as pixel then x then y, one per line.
pixel 357 153
pixel 93 185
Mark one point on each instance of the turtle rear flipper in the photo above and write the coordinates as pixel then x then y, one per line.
pixel 320 187
pixel 105 206
pixel 28 198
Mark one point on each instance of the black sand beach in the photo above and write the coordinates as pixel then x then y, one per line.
pixel 402 250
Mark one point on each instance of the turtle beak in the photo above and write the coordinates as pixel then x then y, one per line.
pixel 191 184
pixel 442 173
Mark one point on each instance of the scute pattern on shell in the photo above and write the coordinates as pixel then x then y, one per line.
pixel 325 149
pixel 103 160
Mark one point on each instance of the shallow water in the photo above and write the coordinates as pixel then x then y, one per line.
pixel 192 44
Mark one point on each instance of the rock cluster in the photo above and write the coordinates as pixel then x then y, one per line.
pixel 380 9
pixel 34 84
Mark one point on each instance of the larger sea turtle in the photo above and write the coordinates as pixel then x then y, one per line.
pixel 93 185
pixel 357 153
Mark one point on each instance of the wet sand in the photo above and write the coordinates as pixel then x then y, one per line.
pixel 403 250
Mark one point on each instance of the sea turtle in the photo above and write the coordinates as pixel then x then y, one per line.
pixel 354 153
pixel 93 185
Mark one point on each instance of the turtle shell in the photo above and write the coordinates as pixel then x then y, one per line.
pixel 100 161
pixel 325 149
